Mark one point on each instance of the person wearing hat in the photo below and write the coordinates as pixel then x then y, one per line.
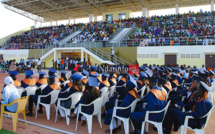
pixel 73 71
pixel 131 95
pixel 112 79
pixel 166 84
pixel 92 70
pixel 63 78
pixel 156 100
pixel 42 80
pixel 142 81
pixel 77 86
pixel 33 98
pixel 13 76
pixel 201 108
pixel 104 82
pixel 211 75
pixel 85 75
pixel 28 81
pixel 52 72
pixel 10 93
pixel 90 93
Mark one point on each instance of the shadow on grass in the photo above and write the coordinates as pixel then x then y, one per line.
pixel 4 131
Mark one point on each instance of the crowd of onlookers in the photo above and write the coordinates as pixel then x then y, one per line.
pixel 176 29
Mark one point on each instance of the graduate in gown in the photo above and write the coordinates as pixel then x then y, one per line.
pixel 166 85
pixel 77 86
pixel 33 98
pixel 63 77
pixel 156 100
pixel 90 93
pixel 85 77
pixel 52 72
pixel 142 81
pixel 112 79
pixel 28 81
pixel 201 108
pixel 13 76
pixel 42 80
pixel 131 95
pixel 105 82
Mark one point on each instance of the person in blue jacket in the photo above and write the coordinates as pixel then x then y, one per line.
pixel 132 94
pixel 28 81
pixel 89 95
pixel 52 72
pixel 202 107
pixel 156 100
pixel 105 82
pixel 42 80
pixel 33 98
pixel 142 81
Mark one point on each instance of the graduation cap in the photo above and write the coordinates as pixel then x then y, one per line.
pixel 13 73
pixel 194 70
pixel 161 79
pixel 85 72
pixel 73 71
pixel 174 74
pixel 29 72
pixel 195 77
pixel 131 82
pixel 135 78
pixel 143 75
pixel 52 78
pixel 157 68
pixel 52 71
pixel 149 73
pixel 205 87
pixel 41 74
pixel 142 68
pixel 202 74
pixel 168 69
pixel 161 72
pixel 94 75
pixel 162 68
pixel 63 72
pixel 105 75
pixel 153 79
pixel 211 72
pixel 76 76
pixel 93 82
pixel 92 68
pixel 175 69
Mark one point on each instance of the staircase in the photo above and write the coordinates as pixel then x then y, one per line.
pixel 120 35
pixel 68 38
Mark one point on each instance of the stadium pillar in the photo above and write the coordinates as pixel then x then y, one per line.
pixel 69 20
pixel 95 18
pixel 82 55
pixel 86 57
pixel 59 55
pixel 177 8
pixel 51 22
pixel 212 5
pixel 145 12
pixel 91 18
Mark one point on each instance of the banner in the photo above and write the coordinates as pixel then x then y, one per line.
pixel 133 69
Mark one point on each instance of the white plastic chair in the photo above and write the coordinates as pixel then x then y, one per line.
pixel 104 93
pixel 111 91
pixel 142 90
pixel 183 128
pixel 67 90
pixel 124 120
pixel 54 95
pixel 158 125
pixel 43 86
pixel 75 97
pixel 65 82
pixel 211 96
pixel 30 90
pixel 20 90
pixel 97 111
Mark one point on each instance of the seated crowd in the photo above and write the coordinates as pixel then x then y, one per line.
pixel 175 29
pixel 189 96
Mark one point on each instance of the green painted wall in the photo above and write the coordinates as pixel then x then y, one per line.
pixel 127 53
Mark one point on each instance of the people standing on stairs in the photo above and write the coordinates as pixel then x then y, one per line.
pixel 39 65
pixel 112 54
pixel 58 63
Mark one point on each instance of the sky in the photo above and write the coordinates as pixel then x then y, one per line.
pixel 12 22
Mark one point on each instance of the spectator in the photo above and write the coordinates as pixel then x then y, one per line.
pixel 62 64
pixel 112 54
pixel 39 65
pixel 58 63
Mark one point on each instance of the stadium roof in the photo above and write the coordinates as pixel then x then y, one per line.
pixel 46 10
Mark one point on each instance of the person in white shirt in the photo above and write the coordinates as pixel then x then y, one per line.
pixel 112 54
pixel 58 63
pixel 203 68
pixel 39 65
pixel 10 93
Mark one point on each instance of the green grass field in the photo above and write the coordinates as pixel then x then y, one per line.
pixel 4 131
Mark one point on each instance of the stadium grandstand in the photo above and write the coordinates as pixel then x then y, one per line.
pixel 112 59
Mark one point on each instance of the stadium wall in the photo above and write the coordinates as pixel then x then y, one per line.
pixel 15 54
pixel 116 14
pixel 189 55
